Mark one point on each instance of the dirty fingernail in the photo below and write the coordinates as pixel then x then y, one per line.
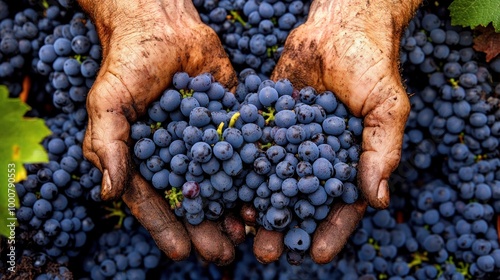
pixel 106 185
pixel 383 194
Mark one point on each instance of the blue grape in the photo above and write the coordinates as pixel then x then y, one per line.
pixel 350 194
pixel 42 208
pixel 297 239
pixel 201 82
pixel 278 217
pixel 268 95
pixel 144 148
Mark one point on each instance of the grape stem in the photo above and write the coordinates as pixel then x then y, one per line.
pixel 45 4
pixel 236 17
pixel 186 93
pixel 219 131
pixel 418 259
pixel 155 127
pixel 454 83
pixel 272 50
pixel 174 197
pixel 233 119
pixel 79 57
pixel 265 146
pixel 116 211
pixel 269 115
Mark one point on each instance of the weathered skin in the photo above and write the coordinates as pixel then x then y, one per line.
pixel 350 47
pixel 144 43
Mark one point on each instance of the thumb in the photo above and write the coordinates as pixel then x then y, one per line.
pixel 382 143
pixel 106 140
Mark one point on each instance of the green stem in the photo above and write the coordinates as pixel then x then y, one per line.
pixel 269 115
pixel 237 17
pixel 116 211
pixel 219 131
pixel 185 93
pixel 234 118
pixel 174 197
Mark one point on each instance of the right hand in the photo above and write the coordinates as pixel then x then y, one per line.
pixel 351 47
pixel 145 42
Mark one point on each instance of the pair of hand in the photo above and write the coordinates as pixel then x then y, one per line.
pixel 348 47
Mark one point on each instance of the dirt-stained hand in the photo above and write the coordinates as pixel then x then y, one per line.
pixel 351 48
pixel 144 43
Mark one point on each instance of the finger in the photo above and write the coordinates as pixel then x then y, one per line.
pixel 88 152
pixel 233 227
pixel 382 143
pixel 106 143
pixel 112 160
pixel 268 245
pixel 211 243
pixel 154 213
pixel 332 234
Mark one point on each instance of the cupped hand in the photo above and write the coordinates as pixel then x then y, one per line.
pixel 352 49
pixel 144 44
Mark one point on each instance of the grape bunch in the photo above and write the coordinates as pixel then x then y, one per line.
pixel 253 32
pixel 127 253
pixel 287 153
pixel 22 34
pixel 453 127
pixel 442 237
pixel 171 139
pixel 55 196
pixel 453 113
pixel 448 225
pixel 308 160
pixel 70 57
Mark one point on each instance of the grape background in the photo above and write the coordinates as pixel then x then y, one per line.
pixel 442 220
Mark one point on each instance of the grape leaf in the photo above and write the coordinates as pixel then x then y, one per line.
pixel 19 144
pixel 488 42
pixel 475 12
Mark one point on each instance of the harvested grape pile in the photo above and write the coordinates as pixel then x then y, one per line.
pixel 289 153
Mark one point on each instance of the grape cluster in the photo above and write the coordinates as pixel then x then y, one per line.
pixel 253 32
pixel 22 34
pixel 248 267
pixel 305 159
pixel 289 153
pixel 70 57
pixel 191 268
pixel 171 153
pixel 443 237
pixel 453 113
pixel 454 128
pixel 449 226
pixel 55 196
pixel 127 253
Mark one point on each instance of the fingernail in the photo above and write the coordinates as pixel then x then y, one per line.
pixel 383 193
pixel 106 184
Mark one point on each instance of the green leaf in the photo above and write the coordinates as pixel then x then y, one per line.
pixel 472 13
pixel 19 144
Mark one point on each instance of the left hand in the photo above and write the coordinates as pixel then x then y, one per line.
pixel 145 42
